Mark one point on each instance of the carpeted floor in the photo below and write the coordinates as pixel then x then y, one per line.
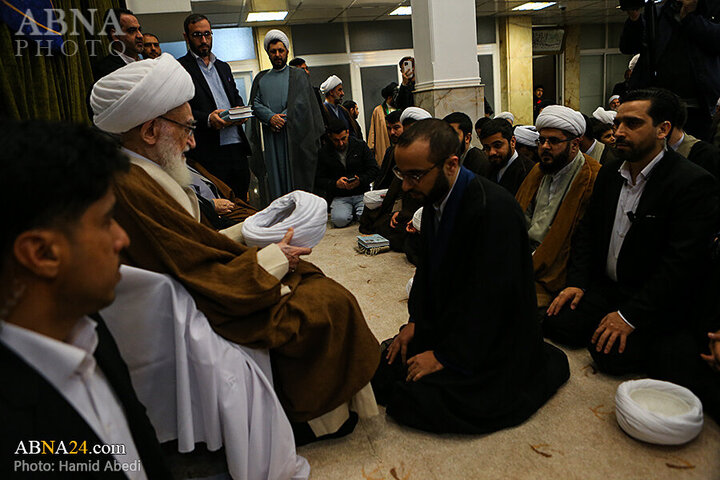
pixel 575 435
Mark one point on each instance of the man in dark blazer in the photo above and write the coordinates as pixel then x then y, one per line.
pixel 346 167
pixel 126 41
pixel 64 382
pixel 505 166
pixel 641 255
pixel 221 145
pixel 471 359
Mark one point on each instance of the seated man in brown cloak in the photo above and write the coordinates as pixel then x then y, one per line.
pixel 554 196
pixel 323 354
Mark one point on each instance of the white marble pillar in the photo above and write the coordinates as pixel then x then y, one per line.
pixel 445 46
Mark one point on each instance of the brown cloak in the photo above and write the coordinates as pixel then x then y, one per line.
pixel 551 257
pixel 321 348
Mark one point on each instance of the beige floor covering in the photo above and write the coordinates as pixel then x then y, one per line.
pixel 574 436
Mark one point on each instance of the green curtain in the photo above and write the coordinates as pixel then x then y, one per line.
pixel 40 86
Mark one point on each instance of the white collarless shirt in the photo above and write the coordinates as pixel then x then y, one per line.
pixel 501 172
pixel 70 367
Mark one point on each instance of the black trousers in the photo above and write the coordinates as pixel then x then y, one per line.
pixel 230 164
pixel 664 352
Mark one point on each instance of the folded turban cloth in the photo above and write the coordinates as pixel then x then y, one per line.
pixel 613 98
pixel 605 116
pixel 658 412
pixel 331 82
pixel 526 135
pixel 506 116
pixel 304 212
pixel 416 113
pixel 563 118
pixel 633 62
pixel 138 92
pixel 274 36
pixel 374 198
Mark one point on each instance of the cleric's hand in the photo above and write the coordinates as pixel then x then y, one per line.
pixel 611 328
pixel 713 360
pixel 223 206
pixel 422 364
pixel 400 343
pixel 292 253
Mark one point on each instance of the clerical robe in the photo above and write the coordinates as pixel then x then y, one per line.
pixel 322 351
pixel 378 139
pixel 551 257
pixel 289 158
pixel 473 305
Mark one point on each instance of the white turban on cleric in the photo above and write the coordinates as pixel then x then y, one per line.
pixel 273 36
pixel 331 82
pixel 416 113
pixel 605 116
pixel 563 118
pixel 506 116
pixel 138 92
pixel 526 135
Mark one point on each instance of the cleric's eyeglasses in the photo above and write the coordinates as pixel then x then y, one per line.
pixel 190 129
pixel 413 177
pixel 553 141
pixel 206 34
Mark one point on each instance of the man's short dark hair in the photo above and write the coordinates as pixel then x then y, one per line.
pixel 539 85
pixel 393 117
pixel 151 35
pixel 348 104
pixel 463 121
pixel 193 18
pixel 595 128
pixel 481 122
pixel 497 125
pixel 389 90
pixel 336 125
pixel 296 62
pixel 588 126
pixel 664 104
pixel 57 170
pixel 117 12
pixel 440 135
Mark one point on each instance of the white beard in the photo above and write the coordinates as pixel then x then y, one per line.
pixel 172 161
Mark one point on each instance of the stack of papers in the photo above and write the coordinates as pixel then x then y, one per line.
pixel 236 113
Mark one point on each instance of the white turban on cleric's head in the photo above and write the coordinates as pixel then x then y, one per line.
pixel 526 135
pixel 605 116
pixel 562 118
pixel 506 116
pixel 138 92
pixel 331 82
pixel 416 113
pixel 273 36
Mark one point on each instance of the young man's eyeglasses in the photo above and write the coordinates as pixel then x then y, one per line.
pixel 413 177
pixel 553 141
pixel 207 34
pixel 190 129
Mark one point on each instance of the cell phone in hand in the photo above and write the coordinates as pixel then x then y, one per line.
pixel 407 67
pixel 350 179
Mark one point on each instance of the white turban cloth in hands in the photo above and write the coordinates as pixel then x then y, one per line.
pixel 138 92
pixel 563 118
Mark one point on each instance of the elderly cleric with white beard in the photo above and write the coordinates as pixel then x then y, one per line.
pixel 264 298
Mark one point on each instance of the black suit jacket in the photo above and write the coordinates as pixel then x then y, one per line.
pixel 207 138
pixel 666 251
pixel 107 65
pixel 32 409
pixel 359 161
pixel 513 177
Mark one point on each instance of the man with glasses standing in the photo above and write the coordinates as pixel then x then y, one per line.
pixel 471 358
pixel 554 196
pixel 222 147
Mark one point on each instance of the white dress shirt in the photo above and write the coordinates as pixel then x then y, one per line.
pixel 70 367
pixel 438 209
pixel 628 201
pixel 501 172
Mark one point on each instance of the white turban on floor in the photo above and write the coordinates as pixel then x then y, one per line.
pixel 633 62
pixel 563 118
pixel 605 116
pixel 138 92
pixel 416 113
pixel 526 135
pixel 273 36
pixel 331 82
pixel 506 116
